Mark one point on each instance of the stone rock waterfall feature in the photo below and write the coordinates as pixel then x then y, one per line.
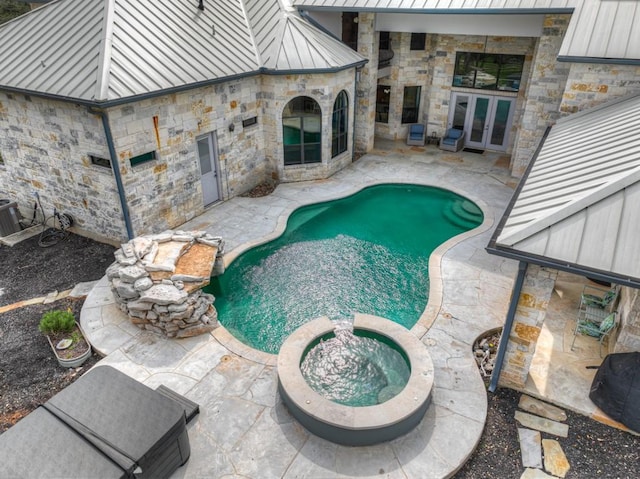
pixel 157 281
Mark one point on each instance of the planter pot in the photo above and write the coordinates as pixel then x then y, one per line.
pixel 66 357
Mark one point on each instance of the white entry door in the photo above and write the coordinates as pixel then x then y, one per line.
pixel 486 120
pixel 208 156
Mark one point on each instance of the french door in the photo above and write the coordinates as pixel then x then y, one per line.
pixel 486 120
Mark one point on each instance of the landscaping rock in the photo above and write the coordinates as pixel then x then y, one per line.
pixel 555 461
pixel 542 424
pixel 530 447
pixel 157 281
pixel 540 408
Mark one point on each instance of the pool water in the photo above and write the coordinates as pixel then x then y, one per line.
pixel 355 369
pixel 366 253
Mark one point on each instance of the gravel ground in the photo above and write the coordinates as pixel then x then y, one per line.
pixel 29 374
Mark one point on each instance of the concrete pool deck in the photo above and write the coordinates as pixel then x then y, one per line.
pixel 243 429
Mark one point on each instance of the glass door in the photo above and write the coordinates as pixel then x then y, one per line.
pixel 476 134
pixel 501 116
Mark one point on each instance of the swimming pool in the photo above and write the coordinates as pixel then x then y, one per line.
pixel 367 253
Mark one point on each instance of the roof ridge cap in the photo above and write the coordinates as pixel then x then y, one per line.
pixel 104 58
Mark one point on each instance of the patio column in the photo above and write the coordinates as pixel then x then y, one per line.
pixel 367 84
pixel 531 311
pixel 545 86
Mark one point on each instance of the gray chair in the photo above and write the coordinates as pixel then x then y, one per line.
pixel 453 140
pixel 417 134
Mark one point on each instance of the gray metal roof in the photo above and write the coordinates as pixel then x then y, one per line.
pixel 605 31
pixel 580 202
pixel 108 50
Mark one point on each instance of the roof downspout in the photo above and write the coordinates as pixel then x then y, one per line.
pixel 356 77
pixel 506 330
pixel 116 171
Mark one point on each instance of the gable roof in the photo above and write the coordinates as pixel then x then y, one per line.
pixel 108 51
pixel 579 204
pixel 602 31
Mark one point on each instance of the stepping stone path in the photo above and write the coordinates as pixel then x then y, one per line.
pixel 539 417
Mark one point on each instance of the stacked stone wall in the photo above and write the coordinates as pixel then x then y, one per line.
pixel 544 92
pixel 591 84
pixel 166 192
pixel 367 83
pixel 628 333
pixel 45 147
pixel 279 90
pixel 530 314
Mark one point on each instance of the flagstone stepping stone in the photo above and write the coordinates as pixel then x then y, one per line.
pixel 540 408
pixel 535 474
pixel 555 461
pixel 530 448
pixel 542 424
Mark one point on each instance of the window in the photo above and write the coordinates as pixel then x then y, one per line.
pixel 350 29
pixel 249 121
pixel 339 124
pixel 383 96
pixel 385 41
pixel 144 158
pixel 418 41
pixel 1 159
pixel 103 162
pixel 411 104
pixel 488 71
pixel 301 131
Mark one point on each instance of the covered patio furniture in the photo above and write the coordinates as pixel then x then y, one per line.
pixel 453 140
pixel 600 330
pixel 417 134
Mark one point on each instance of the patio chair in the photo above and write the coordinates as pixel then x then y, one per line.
pixel 595 303
pixel 453 140
pixel 417 133
pixel 600 330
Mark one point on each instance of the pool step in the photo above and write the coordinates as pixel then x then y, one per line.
pixel 464 213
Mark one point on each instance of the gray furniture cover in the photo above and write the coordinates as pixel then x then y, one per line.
pixel 105 425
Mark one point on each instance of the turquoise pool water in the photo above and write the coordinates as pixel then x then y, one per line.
pixel 366 253
pixel 355 368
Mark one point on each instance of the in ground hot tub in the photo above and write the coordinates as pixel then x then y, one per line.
pixel 356 425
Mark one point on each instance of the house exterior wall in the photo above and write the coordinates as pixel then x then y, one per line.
pixel 277 91
pixel 530 314
pixel 367 84
pixel 591 84
pixel 166 192
pixel 45 146
pixel 628 333
pixel 543 93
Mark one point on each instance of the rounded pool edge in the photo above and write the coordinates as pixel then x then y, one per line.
pixel 355 426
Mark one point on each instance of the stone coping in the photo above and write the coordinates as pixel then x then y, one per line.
pixel 355 426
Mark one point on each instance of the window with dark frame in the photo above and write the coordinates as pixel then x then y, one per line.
pixel 249 121
pixel 302 131
pixel 350 29
pixel 385 40
pixel 488 71
pixel 339 127
pixel 383 96
pixel 144 158
pixel 411 104
pixel 418 41
pixel 99 161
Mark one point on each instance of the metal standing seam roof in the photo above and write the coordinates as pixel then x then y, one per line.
pixel 603 31
pixel 579 204
pixel 110 50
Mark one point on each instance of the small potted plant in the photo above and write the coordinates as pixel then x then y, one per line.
pixel 65 337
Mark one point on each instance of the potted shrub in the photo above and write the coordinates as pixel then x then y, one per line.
pixel 65 337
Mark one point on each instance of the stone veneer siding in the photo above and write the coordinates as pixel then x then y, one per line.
pixel 544 91
pixel 367 84
pixel 591 84
pixel 45 146
pixel 277 91
pixel 530 314
pixel 627 336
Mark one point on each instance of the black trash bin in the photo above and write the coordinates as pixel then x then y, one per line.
pixel 9 217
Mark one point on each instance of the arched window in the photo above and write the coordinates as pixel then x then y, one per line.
pixel 301 131
pixel 339 128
